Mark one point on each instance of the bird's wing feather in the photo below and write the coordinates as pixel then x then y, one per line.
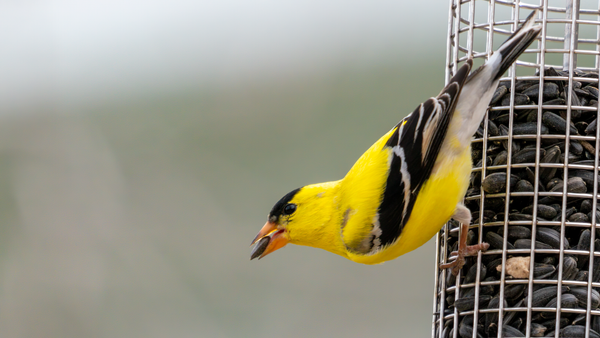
pixel 416 145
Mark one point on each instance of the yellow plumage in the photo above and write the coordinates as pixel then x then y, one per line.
pixel 410 182
pixel 322 208
pixel 352 201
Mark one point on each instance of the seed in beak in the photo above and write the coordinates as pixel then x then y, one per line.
pixel 260 247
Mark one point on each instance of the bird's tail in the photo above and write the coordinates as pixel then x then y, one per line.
pixel 516 44
pixel 481 84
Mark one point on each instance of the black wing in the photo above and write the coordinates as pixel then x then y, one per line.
pixel 416 145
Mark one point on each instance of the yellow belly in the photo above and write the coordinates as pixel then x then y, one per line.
pixel 434 206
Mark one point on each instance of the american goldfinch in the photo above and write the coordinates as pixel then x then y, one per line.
pixel 408 184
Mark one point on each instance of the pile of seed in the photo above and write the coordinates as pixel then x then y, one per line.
pixel 576 236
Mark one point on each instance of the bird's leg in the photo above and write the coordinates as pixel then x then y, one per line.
pixel 463 215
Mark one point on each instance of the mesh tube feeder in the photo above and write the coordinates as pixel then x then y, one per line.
pixel 534 184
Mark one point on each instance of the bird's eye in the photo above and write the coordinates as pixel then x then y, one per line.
pixel 289 209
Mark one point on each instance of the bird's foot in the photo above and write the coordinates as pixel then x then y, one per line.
pixel 458 257
pixel 464 216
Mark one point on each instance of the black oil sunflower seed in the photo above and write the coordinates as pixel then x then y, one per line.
pixel 468 303
pixel 260 247
pixel 528 128
pixel 496 182
pixel 498 94
pixel 581 293
pixel 550 91
pixel 541 270
pixel 544 211
pixel 542 296
pixel 527 155
pixel 510 331
pixel 551 237
pixel 577 331
pixel 557 123
pixel 516 232
pixel 520 99
pixel 566 301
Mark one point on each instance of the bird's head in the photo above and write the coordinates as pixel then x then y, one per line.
pixel 299 217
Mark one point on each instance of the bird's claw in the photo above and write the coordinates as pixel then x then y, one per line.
pixel 458 257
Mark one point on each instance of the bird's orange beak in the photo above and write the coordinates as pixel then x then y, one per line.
pixel 269 239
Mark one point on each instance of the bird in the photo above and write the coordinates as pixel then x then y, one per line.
pixel 408 184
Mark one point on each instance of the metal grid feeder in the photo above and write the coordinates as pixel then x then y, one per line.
pixel 491 296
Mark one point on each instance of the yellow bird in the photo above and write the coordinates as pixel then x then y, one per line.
pixel 408 184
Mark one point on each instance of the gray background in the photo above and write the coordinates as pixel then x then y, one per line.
pixel 142 144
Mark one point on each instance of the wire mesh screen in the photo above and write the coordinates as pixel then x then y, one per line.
pixel 534 185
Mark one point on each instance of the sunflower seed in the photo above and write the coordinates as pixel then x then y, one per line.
pixel 496 182
pixel 579 319
pixel 592 90
pixel 516 232
pixel 569 268
pixel 492 317
pixel 583 92
pixel 510 331
pixel 544 211
pixel 541 271
pixel 577 331
pixel 493 264
pixel 551 237
pixel 525 243
pixel 550 91
pixel 465 328
pixel 528 128
pixel 581 127
pixel 537 330
pixel 501 158
pixel 496 241
pixel 544 295
pixel 582 276
pixel 513 291
pixel 586 206
pixel 556 123
pixel 586 175
pixel 498 94
pixel 520 100
pixel 584 240
pixel 552 156
pixel 468 303
pixel 576 147
pixel 527 155
pixel 591 128
pixel 260 247
pixel 523 186
pixel 596 323
pixel 574 185
pixel 582 295
pixel 472 274
pixel 520 217
pixel 553 182
pixel 566 301
pixel 552 323
pixel 556 102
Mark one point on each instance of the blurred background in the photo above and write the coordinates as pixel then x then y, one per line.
pixel 142 144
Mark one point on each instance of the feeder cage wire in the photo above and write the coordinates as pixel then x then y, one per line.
pixel 569 43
